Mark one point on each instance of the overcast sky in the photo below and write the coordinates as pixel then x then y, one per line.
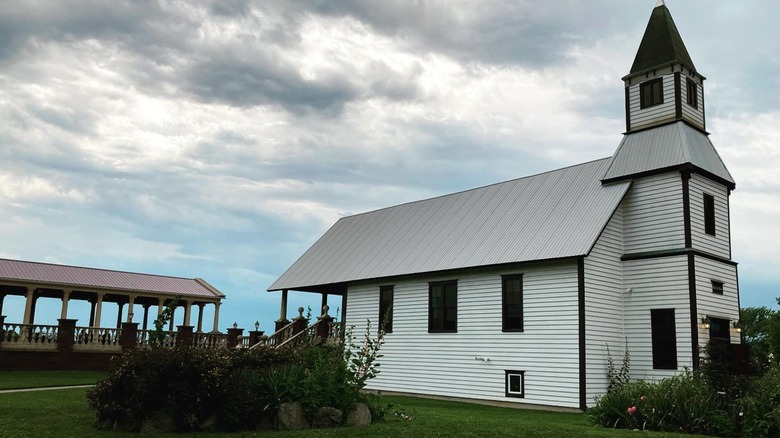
pixel 221 139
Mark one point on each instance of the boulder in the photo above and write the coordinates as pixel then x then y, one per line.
pixel 360 415
pixel 290 417
pixel 327 417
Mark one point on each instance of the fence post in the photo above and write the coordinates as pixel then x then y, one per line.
pixel 66 334
pixel 128 338
pixel 184 336
pixel 299 322
pixel 254 337
pixel 323 329
pixel 232 336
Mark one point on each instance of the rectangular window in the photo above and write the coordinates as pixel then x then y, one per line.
pixel 443 307
pixel 709 214
pixel 664 338
pixel 651 93
pixel 386 308
pixel 515 384
pixel 693 94
pixel 719 331
pixel 717 287
pixel 512 302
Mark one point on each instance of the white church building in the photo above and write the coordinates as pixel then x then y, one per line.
pixel 512 292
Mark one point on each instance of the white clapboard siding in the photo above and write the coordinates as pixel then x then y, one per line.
pixel 604 306
pixel 653 214
pixel 719 244
pixel 449 364
pixel 641 118
pixel 657 283
pixel 693 115
pixel 724 306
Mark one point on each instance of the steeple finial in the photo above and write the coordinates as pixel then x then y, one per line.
pixel 660 3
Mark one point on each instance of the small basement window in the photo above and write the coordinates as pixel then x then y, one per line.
pixel 515 384
pixel 651 93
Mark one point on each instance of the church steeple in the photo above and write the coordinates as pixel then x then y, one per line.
pixel 663 85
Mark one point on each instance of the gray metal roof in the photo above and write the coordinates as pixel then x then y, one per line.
pixel 546 216
pixel 665 146
pixel 46 274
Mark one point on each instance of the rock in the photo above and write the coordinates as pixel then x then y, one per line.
pixel 208 423
pixel 360 415
pixel 327 417
pixel 158 422
pixel 290 417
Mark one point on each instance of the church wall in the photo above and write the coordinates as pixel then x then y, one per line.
pixel 720 243
pixel 653 214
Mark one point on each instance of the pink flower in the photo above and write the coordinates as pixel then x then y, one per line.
pixel 643 398
pixel 631 410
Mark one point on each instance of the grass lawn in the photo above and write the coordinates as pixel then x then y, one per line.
pixel 64 413
pixel 40 379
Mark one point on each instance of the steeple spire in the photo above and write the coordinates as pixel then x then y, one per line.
pixel 661 44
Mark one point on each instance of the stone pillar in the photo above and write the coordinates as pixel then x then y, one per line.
pixel 65 299
pixel 254 337
pixel 187 312
pixel 146 316
pixel 232 336
pixel 66 334
pixel 299 322
pixel 130 303
pixel 216 317
pixel 98 310
pixel 200 317
pixel 184 336
pixel 28 306
pixel 120 305
pixel 128 337
pixel 323 329
pixel 282 321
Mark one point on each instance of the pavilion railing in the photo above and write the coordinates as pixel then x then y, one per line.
pixel 209 340
pixel 96 339
pixel 28 336
pixel 168 339
pixel 278 337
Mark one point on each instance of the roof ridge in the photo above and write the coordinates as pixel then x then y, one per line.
pixel 96 269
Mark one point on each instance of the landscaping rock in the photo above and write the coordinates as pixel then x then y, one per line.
pixel 327 417
pixel 290 417
pixel 208 423
pixel 360 415
pixel 158 422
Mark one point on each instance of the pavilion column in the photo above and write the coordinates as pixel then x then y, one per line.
pixel 146 316
pixel 173 317
pixel 65 299
pixel 216 317
pixel 98 310
pixel 200 316
pixel 28 306
pixel 160 304
pixel 119 305
pixel 2 298
pixel 283 307
pixel 187 312
pixel 324 300
pixel 92 312
pixel 130 303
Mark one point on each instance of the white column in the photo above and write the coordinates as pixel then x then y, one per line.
pixel 200 317
pixel 187 312
pixel 130 302
pixel 65 299
pixel 98 309
pixel 216 317
pixel 160 303
pixel 28 306
pixel 283 309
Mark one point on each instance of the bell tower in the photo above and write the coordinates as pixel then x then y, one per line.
pixel 663 85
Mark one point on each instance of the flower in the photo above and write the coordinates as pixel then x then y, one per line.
pixel 643 398
pixel 631 410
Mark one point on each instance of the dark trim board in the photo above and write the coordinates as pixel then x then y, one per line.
pixel 677 96
pixel 670 122
pixel 677 168
pixel 694 307
pixel 581 312
pixel 675 252
pixel 628 109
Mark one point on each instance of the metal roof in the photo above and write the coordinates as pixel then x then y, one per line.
pixel 661 43
pixel 666 146
pixel 546 216
pixel 76 277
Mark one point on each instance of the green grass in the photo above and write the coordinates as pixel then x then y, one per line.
pixel 41 379
pixel 64 413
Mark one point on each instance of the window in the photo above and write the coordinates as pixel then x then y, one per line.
pixel 693 94
pixel 515 384
pixel 717 287
pixel 664 339
pixel 709 214
pixel 719 331
pixel 386 308
pixel 651 93
pixel 443 307
pixel 512 302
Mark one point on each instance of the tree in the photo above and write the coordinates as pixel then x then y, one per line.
pixel 761 331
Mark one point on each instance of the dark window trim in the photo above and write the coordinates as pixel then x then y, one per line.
pixel 439 325
pixel 504 309
pixel 717 287
pixel 385 310
pixel 508 373
pixel 653 99
pixel 663 341
pixel 709 214
pixel 692 92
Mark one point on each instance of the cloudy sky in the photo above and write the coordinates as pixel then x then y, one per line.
pixel 221 139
